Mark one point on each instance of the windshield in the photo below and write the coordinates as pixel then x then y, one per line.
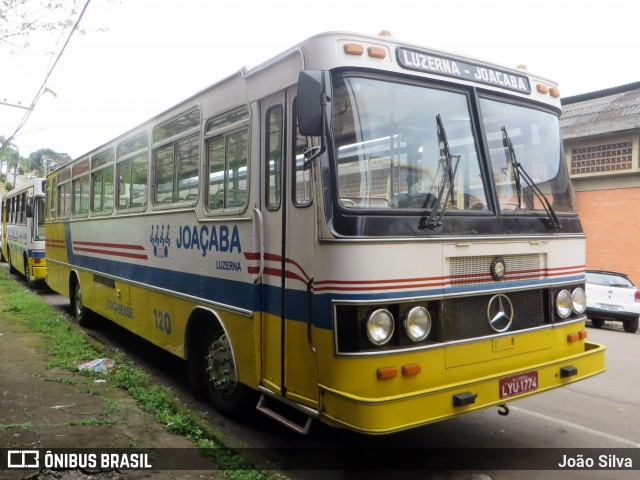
pixel 535 137
pixel 390 155
pixel 389 152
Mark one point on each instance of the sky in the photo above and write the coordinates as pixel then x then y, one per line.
pixel 139 57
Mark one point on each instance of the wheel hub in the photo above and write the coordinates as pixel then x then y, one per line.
pixel 221 369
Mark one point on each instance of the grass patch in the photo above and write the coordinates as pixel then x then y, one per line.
pixel 68 347
pixel 65 380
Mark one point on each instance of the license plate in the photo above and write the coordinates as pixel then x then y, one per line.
pixel 518 384
pixel 611 308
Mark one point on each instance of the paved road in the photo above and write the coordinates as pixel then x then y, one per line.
pixel 598 413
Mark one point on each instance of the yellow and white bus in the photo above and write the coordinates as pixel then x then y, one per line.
pixel 23 244
pixel 375 234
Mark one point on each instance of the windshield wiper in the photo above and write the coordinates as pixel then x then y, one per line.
pixel 518 172
pixel 449 170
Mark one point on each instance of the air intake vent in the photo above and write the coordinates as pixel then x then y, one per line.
pixel 476 270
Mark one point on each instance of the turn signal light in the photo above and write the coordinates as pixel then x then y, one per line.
pixel 573 337
pixel 385 373
pixel 411 369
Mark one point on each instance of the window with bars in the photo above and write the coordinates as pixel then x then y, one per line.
pixel 611 157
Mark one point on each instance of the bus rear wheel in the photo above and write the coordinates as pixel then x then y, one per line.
pixel 81 313
pixel 27 273
pixel 12 269
pixel 219 374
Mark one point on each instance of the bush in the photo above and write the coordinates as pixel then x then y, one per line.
pixel 8 186
pixel 3 178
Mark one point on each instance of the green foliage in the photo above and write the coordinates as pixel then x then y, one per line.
pixel 68 347
pixel 8 186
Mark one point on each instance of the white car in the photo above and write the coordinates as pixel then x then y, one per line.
pixel 612 296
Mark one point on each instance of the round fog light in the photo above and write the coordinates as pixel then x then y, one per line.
pixel 564 304
pixel 417 323
pixel 380 326
pixel 579 299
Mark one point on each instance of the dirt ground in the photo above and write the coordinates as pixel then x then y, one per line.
pixel 44 408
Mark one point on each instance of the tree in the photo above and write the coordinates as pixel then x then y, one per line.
pixel 9 159
pixel 35 161
pixel 19 20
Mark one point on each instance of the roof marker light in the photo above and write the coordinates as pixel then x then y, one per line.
pixel 542 88
pixel 353 49
pixel 555 93
pixel 376 52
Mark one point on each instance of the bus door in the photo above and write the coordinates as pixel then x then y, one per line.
pixel 288 362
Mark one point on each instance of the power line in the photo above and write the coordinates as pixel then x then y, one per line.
pixel 15 105
pixel 43 87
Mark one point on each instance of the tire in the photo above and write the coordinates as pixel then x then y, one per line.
pixel 218 372
pixel 12 269
pixel 27 275
pixel 631 326
pixel 81 313
pixel 597 322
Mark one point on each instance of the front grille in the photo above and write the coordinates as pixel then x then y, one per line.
pixel 467 317
pixel 476 270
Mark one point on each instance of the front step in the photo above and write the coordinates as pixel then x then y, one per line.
pixel 280 417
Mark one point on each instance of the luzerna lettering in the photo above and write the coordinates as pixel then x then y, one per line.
pixel 206 239
pixel 427 62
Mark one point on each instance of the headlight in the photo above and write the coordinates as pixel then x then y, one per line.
pixel 564 304
pixel 380 326
pixel 417 323
pixel 579 300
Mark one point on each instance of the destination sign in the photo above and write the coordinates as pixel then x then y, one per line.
pixel 440 65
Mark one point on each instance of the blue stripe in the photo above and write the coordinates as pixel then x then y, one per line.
pixel 214 289
pixel 248 296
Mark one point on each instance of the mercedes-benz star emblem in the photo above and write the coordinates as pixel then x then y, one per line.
pixel 500 313
pixel 498 269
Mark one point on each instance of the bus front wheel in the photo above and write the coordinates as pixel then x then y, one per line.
pixel 227 394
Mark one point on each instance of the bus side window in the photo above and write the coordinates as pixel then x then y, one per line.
pixel 64 200
pixel 53 189
pixel 273 156
pixel 81 196
pixel 176 160
pixel 228 160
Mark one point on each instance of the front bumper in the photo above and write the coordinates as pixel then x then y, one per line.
pixel 391 414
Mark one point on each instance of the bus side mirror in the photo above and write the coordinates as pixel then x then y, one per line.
pixel 311 103
pixel 29 207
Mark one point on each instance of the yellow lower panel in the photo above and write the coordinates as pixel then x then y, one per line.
pixel 39 273
pixel 390 414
